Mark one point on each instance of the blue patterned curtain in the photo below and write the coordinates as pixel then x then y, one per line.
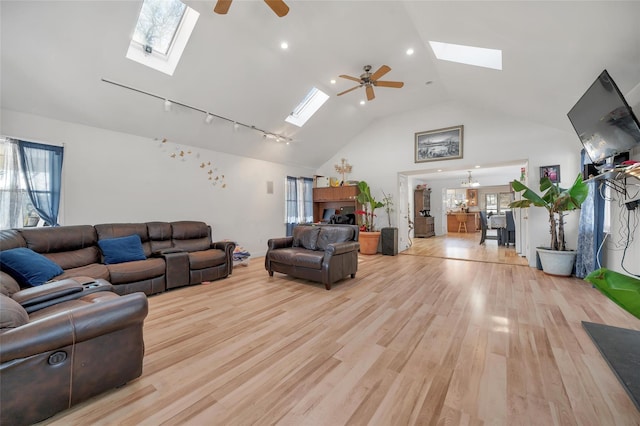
pixel 42 168
pixel 590 229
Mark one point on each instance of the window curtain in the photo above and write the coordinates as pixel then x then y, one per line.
pixel 299 202
pixel 11 197
pixel 42 168
pixel 590 228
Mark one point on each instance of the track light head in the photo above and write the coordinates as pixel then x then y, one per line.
pixel 208 119
pixel 167 105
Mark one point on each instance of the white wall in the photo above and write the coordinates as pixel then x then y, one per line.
pixel 387 147
pixel 117 177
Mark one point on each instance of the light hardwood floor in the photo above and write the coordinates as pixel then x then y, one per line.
pixel 413 339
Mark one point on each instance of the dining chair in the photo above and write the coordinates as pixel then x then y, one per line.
pixel 510 230
pixel 483 228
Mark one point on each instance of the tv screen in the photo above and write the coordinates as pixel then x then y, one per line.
pixel 604 121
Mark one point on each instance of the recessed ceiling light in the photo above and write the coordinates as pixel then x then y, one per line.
pixel 333 82
pixel 478 166
pixel 284 45
pixel 410 51
pixel 362 102
pixel 439 170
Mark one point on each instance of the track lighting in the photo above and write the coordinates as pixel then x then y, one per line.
pixel 209 116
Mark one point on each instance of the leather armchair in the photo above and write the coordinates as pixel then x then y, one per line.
pixel 322 253
pixel 76 346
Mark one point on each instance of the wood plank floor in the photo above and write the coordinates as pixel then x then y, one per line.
pixel 412 340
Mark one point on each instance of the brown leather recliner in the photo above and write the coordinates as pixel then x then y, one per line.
pixel 322 253
pixel 76 341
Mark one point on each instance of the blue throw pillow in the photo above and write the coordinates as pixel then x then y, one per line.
pixel 28 267
pixel 122 249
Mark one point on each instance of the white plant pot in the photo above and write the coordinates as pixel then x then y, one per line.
pixel 556 262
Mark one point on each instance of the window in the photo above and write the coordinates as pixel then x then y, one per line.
pixel 498 203
pixel 161 34
pixel 309 105
pixel 478 56
pixel 30 181
pixel 298 202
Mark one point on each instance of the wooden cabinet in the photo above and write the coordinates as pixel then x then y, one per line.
pixel 423 226
pixel 342 199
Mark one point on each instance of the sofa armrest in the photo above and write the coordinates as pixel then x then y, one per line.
pixel 101 315
pixel 53 290
pixel 160 253
pixel 228 247
pixel 276 243
pixel 340 248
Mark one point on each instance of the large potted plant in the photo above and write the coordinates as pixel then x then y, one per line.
pixel 369 237
pixel 555 259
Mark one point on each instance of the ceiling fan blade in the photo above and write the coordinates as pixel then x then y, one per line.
pixel 348 77
pixel 222 7
pixel 347 91
pixel 381 71
pixel 396 84
pixel 278 6
pixel 370 94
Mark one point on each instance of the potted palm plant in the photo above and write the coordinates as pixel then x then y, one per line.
pixel 369 237
pixel 555 259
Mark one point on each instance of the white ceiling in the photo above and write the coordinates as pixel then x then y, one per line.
pixel 55 53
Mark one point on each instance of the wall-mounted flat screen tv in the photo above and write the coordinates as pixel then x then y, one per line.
pixel 604 121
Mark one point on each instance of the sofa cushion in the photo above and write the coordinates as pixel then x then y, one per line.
pixel 333 234
pixel 76 258
pixel 8 284
pixel 206 259
pixel 191 235
pixel 306 236
pixel 28 267
pixel 12 315
pixel 93 270
pixel 122 249
pixel 297 256
pixel 139 270
pixel 59 238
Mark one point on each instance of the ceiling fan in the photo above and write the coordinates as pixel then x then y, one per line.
pixel 278 6
pixel 369 80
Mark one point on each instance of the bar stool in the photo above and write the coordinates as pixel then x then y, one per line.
pixel 462 222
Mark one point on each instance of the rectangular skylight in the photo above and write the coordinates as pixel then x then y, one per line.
pixel 309 105
pixel 161 34
pixel 478 56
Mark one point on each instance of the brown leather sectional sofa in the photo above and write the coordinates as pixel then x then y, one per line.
pixel 322 253
pixel 64 342
pixel 176 254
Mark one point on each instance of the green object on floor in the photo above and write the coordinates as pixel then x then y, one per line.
pixel 622 289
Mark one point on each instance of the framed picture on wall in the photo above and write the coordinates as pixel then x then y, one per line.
pixel 439 144
pixel 552 172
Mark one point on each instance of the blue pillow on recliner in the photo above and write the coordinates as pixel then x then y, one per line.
pixel 122 249
pixel 28 267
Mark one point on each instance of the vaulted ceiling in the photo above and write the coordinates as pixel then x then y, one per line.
pixel 56 53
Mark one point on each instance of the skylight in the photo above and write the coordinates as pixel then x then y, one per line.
pixel 478 56
pixel 161 34
pixel 309 105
